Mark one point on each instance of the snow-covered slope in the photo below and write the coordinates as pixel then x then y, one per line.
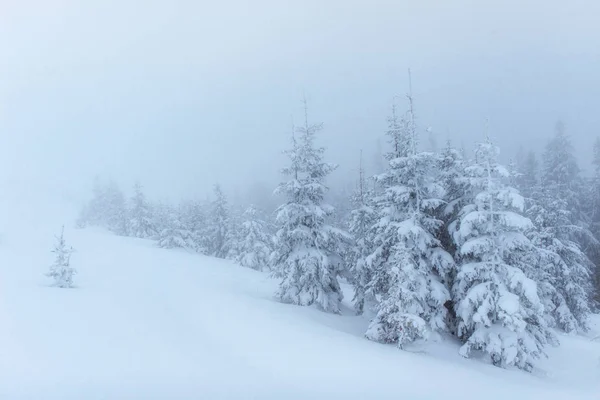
pixel 148 323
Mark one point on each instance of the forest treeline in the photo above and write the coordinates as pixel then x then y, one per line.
pixel 437 243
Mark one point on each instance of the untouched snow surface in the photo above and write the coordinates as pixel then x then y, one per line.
pixel 148 323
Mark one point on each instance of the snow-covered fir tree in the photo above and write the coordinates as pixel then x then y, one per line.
pixel 115 209
pixel 561 176
pixel 61 270
pixel 594 197
pixel 107 208
pixel 451 175
pixel 253 247
pixel 234 236
pixel 219 232
pixel 162 213
pixel 514 174
pixel 192 216
pixel 175 233
pixel 306 255
pixel 408 265
pixel 560 217
pixel 528 177
pixel 141 223
pixel 560 269
pixel 362 218
pixel 594 213
pixel 497 307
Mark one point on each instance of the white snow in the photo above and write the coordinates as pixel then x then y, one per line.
pixel 150 323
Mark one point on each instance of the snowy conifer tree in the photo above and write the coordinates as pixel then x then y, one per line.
pixel 192 215
pixel 594 212
pixel 254 246
pixel 162 213
pixel 235 238
pixel 362 218
pixel 594 201
pixel 115 209
pixel 451 175
pixel 141 223
pixel 497 307
pixel 408 264
pixel 559 215
pixel 561 179
pixel 219 233
pixel 307 256
pixel 561 270
pixel 528 178
pixel 107 208
pixel 61 270
pixel 176 234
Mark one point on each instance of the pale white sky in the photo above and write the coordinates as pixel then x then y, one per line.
pixel 182 94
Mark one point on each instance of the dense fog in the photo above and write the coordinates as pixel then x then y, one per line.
pixel 184 94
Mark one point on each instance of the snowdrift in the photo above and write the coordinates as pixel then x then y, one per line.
pixel 149 323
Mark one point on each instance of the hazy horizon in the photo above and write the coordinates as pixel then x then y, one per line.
pixel 182 95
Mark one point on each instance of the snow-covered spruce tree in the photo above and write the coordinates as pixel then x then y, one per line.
pixel 107 208
pixel 560 268
pixel 562 178
pixel 115 209
pixel 514 174
pixel 560 172
pixel 61 270
pixel 594 196
pixel 141 222
pixel 254 244
pixel 594 212
pixel 408 265
pixel 362 218
pixel 306 255
pixel 192 216
pixel 451 175
pixel 176 234
pixel 219 234
pixel 497 307
pixel 162 213
pixel 234 238
pixel 528 178
pixel 564 213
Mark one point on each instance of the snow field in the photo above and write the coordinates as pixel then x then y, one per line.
pixel 151 323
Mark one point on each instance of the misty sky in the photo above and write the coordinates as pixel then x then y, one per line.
pixel 183 94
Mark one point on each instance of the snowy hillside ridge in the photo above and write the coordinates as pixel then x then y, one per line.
pixel 437 245
pixel 146 322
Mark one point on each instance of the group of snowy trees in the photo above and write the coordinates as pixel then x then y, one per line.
pixel 442 244
pixel 438 243
pixel 211 227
